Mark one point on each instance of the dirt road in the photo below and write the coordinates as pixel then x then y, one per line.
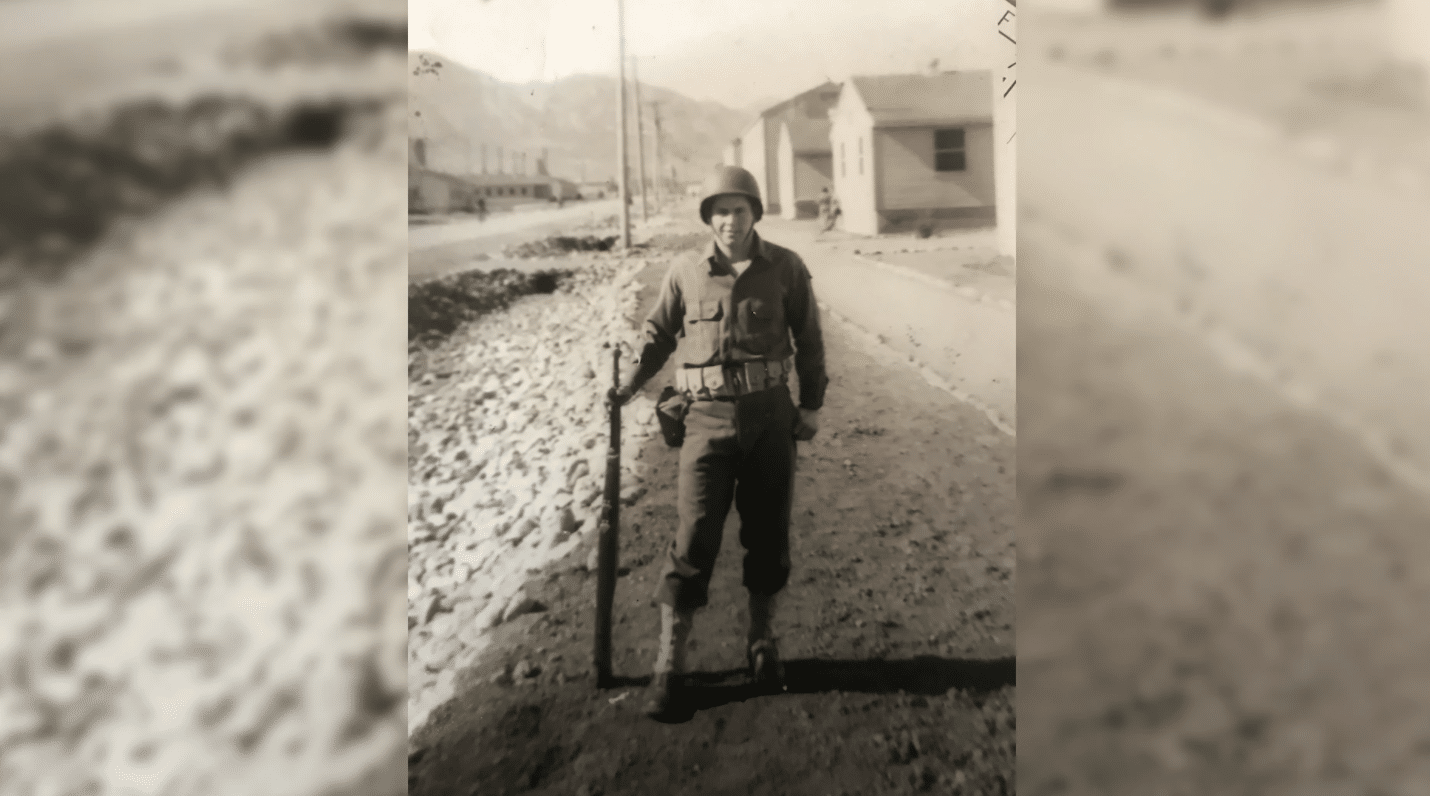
pixel 1219 415
pixel 897 625
pixel 917 297
pixel 1216 593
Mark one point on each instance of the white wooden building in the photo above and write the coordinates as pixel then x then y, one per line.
pixel 910 150
pixel 758 147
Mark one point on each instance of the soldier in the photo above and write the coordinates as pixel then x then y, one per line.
pixel 746 311
pixel 828 210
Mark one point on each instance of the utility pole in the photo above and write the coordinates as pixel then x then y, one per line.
pixel 622 168
pixel 640 139
pixel 659 160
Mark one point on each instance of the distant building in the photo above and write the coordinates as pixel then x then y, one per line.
pixel 432 191
pixel 913 149
pixel 595 190
pixel 758 147
pixel 731 155
pixel 805 165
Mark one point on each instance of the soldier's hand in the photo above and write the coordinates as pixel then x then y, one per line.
pixel 619 396
pixel 807 425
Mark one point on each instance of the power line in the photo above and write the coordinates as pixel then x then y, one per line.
pixel 659 159
pixel 640 139
pixel 621 128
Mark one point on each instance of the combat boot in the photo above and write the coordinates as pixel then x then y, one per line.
pixel 765 668
pixel 664 691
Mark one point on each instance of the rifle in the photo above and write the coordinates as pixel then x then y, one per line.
pixel 609 534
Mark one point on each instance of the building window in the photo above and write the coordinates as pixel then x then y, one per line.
pixel 523 190
pixel 948 151
pixel 861 154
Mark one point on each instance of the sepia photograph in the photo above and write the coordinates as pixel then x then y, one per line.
pixel 202 254
pixel 1224 467
pixel 711 447
pixel 716 368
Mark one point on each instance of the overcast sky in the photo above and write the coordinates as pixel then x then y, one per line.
pixel 735 51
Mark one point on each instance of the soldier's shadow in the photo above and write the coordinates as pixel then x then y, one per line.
pixel 925 675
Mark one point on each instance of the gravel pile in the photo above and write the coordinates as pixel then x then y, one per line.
pixel 558 245
pixel 199 485
pixel 507 439
pixel 436 308
pixel 63 186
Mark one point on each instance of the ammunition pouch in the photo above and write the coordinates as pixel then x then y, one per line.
pixel 670 410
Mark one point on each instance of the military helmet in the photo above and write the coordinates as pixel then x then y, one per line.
pixel 727 180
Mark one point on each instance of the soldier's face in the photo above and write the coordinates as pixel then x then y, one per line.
pixel 731 217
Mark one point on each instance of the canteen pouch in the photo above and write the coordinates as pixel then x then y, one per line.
pixel 670 411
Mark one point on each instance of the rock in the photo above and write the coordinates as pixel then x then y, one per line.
pixel 631 494
pixel 588 492
pixel 525 670
pixel 490 617
pixel 439 653
pixel 520 532
pixel 520 605
pixel 431 606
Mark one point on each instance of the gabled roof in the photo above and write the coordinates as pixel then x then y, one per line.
pixel 810 105
pixel 808 136
pixel 812 95
pixel 916 99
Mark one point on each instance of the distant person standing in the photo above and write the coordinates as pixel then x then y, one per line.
pixel 743 317
pixel 481 209
pixel 828 209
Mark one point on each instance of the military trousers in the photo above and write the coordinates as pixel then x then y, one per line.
pixel 741 451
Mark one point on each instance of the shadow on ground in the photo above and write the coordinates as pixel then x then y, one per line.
pixel 925 675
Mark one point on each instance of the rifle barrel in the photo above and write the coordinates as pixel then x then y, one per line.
pixel 606 555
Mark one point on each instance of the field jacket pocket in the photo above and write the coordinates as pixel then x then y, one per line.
pixel 704 327
pixel 761 324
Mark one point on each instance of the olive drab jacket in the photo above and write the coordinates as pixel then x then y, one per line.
pixel 767 313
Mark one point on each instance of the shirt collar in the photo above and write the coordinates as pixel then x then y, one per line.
pixel 757 250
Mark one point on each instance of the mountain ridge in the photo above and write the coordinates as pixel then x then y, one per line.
pixel 457 110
